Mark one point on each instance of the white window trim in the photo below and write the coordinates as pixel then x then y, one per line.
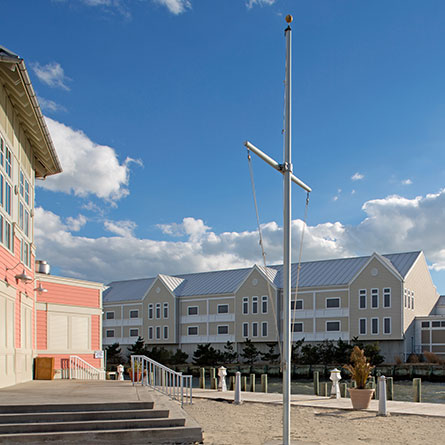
pixel 390 297
pixel 255 300
pixel 165 306
pixel 333 298
pixel 158 329
pixel 264 299
pixel 220 305
pixel 191 327
pixel 107 331
pixel 332 321
pixel 390 326
pixel 222 326
pixel 366 326
pixel 378 327
pixel 133 329
pixel 150 337
pixel 158 306
pixel 245 325
pixel 295 301
pixel 133 310
pixel 109 312
pixel 245 300
pixel 253 324
pixel 267 329
pixel 378 298
pixel 298 322
pixel 188 310
pixel 150 306
pixel 165 337
pixel 365 294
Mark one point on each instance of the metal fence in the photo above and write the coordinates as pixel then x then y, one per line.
pixel 82 370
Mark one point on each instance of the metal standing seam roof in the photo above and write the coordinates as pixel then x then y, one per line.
pixel 322 273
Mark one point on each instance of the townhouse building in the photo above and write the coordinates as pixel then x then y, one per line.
pixel 26 154
pixel 375 298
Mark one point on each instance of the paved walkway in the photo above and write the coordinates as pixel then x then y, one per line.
pixel 393 407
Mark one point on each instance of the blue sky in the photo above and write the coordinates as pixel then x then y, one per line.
pixel 149 101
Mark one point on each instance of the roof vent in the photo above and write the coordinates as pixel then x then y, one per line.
pixel 42 267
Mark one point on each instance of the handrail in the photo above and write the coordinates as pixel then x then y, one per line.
pixel 82 370
pixel 146 371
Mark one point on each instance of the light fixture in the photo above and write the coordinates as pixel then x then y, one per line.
pixel 23 277
pixel 40 289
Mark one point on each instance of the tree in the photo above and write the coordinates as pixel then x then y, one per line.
pixel 207 355
pixel 178 358
pixel 159 354
pixel 270 356
pixel 250 352
pixel 296 351
pixel 138 348
pixel 114 355
pixel 371 350
pixel 230 355
pixel 310 355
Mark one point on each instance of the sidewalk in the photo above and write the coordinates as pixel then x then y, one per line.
pixel 393 407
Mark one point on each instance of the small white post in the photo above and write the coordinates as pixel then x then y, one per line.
pixel 382 397
pixel 222 372
pixel 120 372
pixel 237 400
pixel 335 378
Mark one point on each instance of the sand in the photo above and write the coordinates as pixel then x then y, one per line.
pixel 257 423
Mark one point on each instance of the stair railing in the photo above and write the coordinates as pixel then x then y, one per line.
pixel 147 372
pixel 82 370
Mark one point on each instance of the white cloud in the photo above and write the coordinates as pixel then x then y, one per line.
pixel 175 6
pixel 352 192
pixel 75 224
pixel 357 176
pixel 50 105
pixel 88 168
pixel 51 74
pixel 407 182
pixel 392 224
pixel 251 3
pixel 121 228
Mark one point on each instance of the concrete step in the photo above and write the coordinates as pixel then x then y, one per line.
pixel 73 407
pixel 178 435
pixel 9 428
pixel 74 416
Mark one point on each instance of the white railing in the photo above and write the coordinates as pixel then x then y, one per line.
pixel 146 371
pixel 82 370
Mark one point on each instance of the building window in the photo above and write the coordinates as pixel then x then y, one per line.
pixel 150 311
pixel 245 330
pixel 158 311
pixel 109 315
pixel 192 330
pixel 165 311
pixel 134 314
pixel 2 190
pixel 158 332
pixel 223 330
pixel 7 197
pixel 374 298
pixel 387 297
pixel 297 327
pixel 387 325
pixel 110 333
pixel 134 332
pixel 296 305
pixel 2 153
pixel 264 329
pixel 24 187
pixel 333 326
pixel 165 332
pixel 425 324
pixel 264 301
pixel 192 310
pixel 245 305
pixel 362 326
pixel 374 326
pixel 25 253
pixel 435 324
pixel 332 303
pixel 8 161
pixel 1 228
pixel 362 299
pixel 254 305
pixel 412 299
pixel 150 332
pixel 8 235
pixel 223 309
pixel 406 298
pixel 254 329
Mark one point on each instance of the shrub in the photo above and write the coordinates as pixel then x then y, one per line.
pixel 250 352
pixel 432 358
pixel 360 368
pixel 207 355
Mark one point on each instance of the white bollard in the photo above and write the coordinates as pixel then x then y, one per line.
pixel 335 377
pixel 382 397
pixel 120 372
pixel 222 372
pixel 237 400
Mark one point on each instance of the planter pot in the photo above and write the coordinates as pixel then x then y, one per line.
pixel 360 398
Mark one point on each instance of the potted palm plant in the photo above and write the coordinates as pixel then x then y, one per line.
pixel 360 369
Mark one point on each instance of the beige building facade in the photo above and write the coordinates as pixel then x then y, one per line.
pixel 375 299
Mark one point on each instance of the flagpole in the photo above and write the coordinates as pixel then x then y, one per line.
pixel 287 166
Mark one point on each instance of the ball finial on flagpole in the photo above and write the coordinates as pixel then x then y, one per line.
pixel 289 18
